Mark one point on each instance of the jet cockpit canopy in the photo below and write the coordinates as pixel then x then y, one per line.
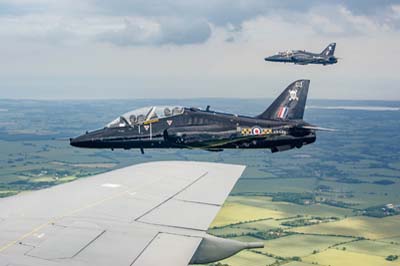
pixel 286 53
pixel 141 115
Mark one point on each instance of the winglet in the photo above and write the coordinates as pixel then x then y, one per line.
pixel 213 249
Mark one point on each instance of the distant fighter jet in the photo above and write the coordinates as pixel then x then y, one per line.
pixel 279 128
pixel 326 57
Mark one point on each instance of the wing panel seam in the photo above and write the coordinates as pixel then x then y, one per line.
pixel 171 197
pixel 148 244
pixel 199 202
pixel 172 226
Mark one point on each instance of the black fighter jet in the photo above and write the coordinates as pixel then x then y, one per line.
pixel 280 127
pixel 326 57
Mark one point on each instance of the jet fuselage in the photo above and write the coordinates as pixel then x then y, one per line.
pixel 299 57
pixel 280 127
pixel 302 58
pixel 196 128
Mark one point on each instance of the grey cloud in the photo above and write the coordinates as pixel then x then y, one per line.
pixel 55 36
pixel 369 7
pixel 231 14
pixel 8 8
pixel 221 12
pixel 184 32
pixel 218 12
pixel 353 22
pixel 158 32
pixel 188 21
pixel 333 21
pixel 133 33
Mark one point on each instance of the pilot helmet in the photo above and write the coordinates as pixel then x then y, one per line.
pixel 167 111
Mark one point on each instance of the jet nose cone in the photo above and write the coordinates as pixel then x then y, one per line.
pixel 83 141
pixel 94 139
pixel 272 58
pixel 76 142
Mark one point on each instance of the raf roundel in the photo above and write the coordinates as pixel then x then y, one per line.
pixel 256 131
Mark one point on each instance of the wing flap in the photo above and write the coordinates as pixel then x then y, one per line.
pixel 168 250
pixel 183 214
pixel 216 185
pixel 196 206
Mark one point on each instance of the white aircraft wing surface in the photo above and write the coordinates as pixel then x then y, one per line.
pixel 148 214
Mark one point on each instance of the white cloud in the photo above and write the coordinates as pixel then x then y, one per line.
pixel 70 48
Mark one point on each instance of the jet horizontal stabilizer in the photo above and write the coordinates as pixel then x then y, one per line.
pixel 319 128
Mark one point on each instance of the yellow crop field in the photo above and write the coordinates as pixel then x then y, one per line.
pixel 393 240
pixel 248 258
pixel 334 257
pixel 371 247
pixel 43 179
pixel 372 228
pixel 67 178
pixel 297 263
pixel 233 212
pixel 290 209
pixel 300 245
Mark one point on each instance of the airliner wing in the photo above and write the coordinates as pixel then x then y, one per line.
pixel 148 214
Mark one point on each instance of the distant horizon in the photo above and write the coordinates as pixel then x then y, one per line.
pixel 194 98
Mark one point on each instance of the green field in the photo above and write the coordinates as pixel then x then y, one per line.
pixel 289 246
pixel 334 257
pixel 248 258
pixel 368 227
pixel 332 181
pixel 327 243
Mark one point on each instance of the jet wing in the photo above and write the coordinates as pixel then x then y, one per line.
pixel 148 214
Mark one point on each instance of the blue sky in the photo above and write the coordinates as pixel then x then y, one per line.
pixel 100 49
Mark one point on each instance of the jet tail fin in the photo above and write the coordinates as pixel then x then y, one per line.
pixel 290 104
pixel 329 50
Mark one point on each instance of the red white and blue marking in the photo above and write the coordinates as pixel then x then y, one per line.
pixel 256 131
pixel 282 112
